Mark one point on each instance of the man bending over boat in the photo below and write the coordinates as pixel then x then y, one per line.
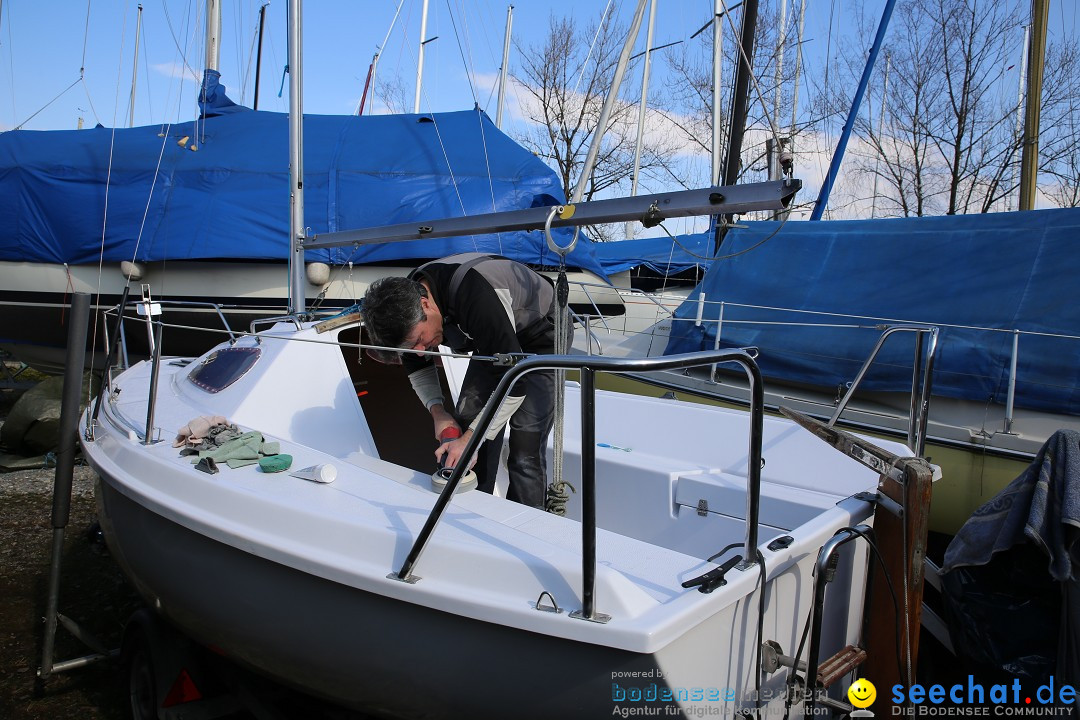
pixel 485 304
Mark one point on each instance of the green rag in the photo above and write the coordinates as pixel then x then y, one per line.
pixel 244 450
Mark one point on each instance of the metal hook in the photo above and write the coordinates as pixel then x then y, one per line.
pixel 564 212
pixel 553 607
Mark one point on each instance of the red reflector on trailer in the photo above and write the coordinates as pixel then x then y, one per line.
pixel 183 691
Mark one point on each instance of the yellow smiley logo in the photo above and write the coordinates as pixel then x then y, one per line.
pixel 862 693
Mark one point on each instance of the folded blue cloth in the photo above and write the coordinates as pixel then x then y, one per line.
pixel 1041 505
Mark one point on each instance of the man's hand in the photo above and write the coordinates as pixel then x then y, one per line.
pixel 448 454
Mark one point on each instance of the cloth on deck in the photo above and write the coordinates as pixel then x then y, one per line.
pixel 1041 505
pixel 197 430
pixel 247 449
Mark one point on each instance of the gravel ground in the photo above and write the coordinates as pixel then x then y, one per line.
pixel 93 593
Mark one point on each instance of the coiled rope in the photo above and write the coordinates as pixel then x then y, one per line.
pixel 558 492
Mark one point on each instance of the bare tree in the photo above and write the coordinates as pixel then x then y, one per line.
pixel 1065 191
pixel 1059 134
pixel 689 99
pixel 949 142
pixel 901 155
pixel 393 94
pixel 566 79
pixel 771 103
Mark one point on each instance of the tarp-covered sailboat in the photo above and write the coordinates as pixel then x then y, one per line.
pixel 201 208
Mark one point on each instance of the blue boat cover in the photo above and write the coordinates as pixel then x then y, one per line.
pixel 659 254
pixel 218 187
pixel 1007 271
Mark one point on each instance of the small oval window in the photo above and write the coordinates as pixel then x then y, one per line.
pixel 224 367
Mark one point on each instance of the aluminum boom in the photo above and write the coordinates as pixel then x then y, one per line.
pixel 650 210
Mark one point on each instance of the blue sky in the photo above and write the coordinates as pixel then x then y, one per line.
pixel 43 45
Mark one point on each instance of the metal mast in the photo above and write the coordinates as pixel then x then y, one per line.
pixel 778 71
pixel 1018 132
pixel 798 72
pixel 258 55
pixel 609 102
pixel 420 57
pixel 742 87
pixel 135 69
pixel 642 107
pixel 717 86
pixel 213 34
pixel 1029 157
pixel 880 132
pixel 505 63
pixel 297 299
pixel 841 146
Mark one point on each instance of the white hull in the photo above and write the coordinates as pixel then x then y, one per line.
pixel 290 576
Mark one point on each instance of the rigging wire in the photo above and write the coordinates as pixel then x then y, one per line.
pixel 446 156
pixel 80 79
pixel 108 174
pixel 245 73
pixel 822 169
pixel 172 32
pixel 461 51
pixel 488 33
pixel 487 166
pixel 712 258
pixel 753 79
pixel 86 36
pixel 401 51
pixel 378 53
pixel 479 117
pixel 450 169
pixel 238 44
pixel 38 111
pixel 146 74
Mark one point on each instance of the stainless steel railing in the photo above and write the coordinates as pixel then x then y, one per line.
pixel 588 366
pixel 922 377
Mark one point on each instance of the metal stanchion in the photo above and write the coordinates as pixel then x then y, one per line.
pixel 61 509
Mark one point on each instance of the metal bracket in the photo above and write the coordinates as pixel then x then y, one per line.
pixel 411 579
pixel 553 608
pixel 508 359
pixel 652 216
pixel 702 507
pixel 601 618
pixel 895 508
pixel 773 658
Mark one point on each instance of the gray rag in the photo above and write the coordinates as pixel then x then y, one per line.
pixel 212 437
pixel 1041 505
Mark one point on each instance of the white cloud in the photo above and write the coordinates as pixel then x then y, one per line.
pixel 179 71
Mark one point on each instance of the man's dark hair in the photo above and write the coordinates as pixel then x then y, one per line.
pixel 391 309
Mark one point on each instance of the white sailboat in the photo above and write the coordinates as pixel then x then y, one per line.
pixel 702 546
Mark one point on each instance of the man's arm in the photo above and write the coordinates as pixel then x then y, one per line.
pixel 425 382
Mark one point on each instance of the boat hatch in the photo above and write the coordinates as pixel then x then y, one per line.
pixel 223 367
pixel 782 508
